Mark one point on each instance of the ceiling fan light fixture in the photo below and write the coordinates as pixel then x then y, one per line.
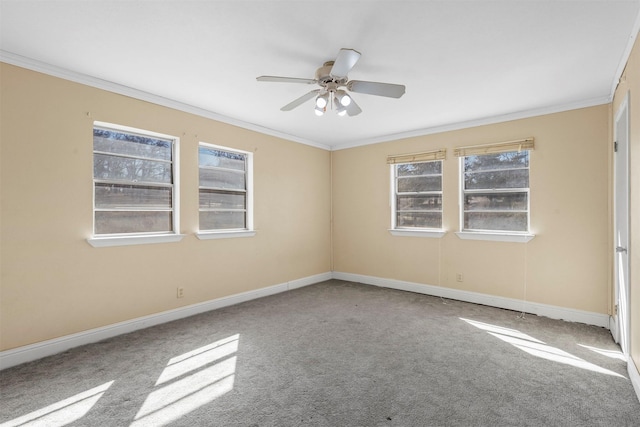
pixel 319 111
pixel 343 98
pixel 322 100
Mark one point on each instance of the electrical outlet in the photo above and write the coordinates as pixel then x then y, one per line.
pixel 459 277
pixel 180 293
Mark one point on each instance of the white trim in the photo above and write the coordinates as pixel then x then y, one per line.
pixel 248 173
pixel 634 376
pixel 410 232
pixel 103 242
pixel 135 131
pixel 176 170
pixel 592 102
pixel 121 240
pixel 613 328
pixel 52 70
pixel 310 280
pixel 495 237
pixel 16 356
pixel 249 178
pixel 418 233
pixel 624 310
pixel 625 56
pixel 551 311
pixel 392 196
pixel 210 235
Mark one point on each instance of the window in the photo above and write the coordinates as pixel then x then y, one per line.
pixel 495 192
pixel 134 181
pixel 225 189
pixel 417 195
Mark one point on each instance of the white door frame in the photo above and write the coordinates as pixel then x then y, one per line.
pixel 621 225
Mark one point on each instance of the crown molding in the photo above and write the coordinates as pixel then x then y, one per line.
pixel 625 56
pixel 525 114
pixel 52 70
pixel 45 68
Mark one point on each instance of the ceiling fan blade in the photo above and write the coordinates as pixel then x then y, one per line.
pixel 374 88
pixel 278 79
pixel 345 61
pixel 353 109
pixel 304 98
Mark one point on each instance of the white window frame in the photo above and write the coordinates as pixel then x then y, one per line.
pixel 413 231
pixel 123 239
pixel 249 230
pixel 493 235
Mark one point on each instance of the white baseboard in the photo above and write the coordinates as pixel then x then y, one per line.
pixel 38 350
pixel 545 310
pixel 306 281
pixel 17 356
pixel 634 376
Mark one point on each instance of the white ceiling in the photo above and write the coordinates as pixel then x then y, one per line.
pixel 463 62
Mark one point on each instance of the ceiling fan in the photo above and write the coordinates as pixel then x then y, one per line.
pixel 332 79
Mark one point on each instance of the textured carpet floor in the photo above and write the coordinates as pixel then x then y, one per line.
pixel 333 354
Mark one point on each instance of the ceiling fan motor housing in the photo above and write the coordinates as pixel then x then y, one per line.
pixel 324 77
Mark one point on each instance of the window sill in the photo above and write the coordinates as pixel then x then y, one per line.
pixel 101 242
pixel 418 233
pixel 208 235
pixel 495 237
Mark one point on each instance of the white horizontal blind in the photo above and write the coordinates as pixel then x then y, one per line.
pixel 133 180
pixel 498 147
pixel 495 186
pixel 425 156
pixel 223 188
pixel 417 195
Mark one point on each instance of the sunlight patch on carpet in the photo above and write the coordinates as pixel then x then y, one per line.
pixel 614 354
pixel 198 358
pixel 538 348
pixel 190 381
pixel 63 412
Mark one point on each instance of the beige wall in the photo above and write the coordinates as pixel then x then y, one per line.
pixel 630 83
pixel 53 283
pixel 566 264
